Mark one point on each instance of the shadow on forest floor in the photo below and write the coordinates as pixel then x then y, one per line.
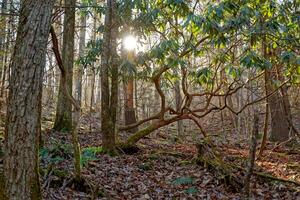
pixel 160 170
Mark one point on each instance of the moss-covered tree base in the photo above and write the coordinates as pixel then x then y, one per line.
pixel 210 159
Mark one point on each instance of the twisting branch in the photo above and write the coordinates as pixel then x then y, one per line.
pixel 62 70
pixel 75 141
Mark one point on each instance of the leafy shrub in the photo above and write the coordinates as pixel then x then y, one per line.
pixel 56 152
pixel 89 154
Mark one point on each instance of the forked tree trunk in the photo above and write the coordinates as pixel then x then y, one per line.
pixel 63 119
pixel 23 125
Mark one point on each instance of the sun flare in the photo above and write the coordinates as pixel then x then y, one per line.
pixel 130 42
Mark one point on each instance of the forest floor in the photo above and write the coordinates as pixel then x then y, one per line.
pixel 162 169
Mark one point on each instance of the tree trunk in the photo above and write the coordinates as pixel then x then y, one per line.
pixel 2 35
pixel 129 112
pixel 252 151
pixel 58 29
pixel 63 119
pixel 23 125
pixel 6 48
pixel 73 101
pixel 109 98
pixel 178 100
pixel 279 121
pixel 80 70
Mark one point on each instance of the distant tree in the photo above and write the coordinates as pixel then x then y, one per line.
pixel 80 70
pixel 23 125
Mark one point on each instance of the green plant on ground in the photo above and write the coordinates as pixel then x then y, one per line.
pixel 89 154
pixel 185 180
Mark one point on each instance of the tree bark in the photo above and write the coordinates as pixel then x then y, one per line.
pixel 63 119
pixel 2 35
pixel 252 151
pixel 23 124
pixel 80 70
pixel 178 100
pixel 109 98
pixel 129 111
pixel 280 126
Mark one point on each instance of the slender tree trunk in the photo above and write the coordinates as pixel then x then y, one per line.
pixel 63 120
pixel 98 95
pixel 2 35
pixel 129 111
pixel 265 133
pixel 73 101
pixel 109 99
pixel 23 124
pixel 178 100
pixel 58 29
pixel 79 69
pixel 6 47
pixel 252 150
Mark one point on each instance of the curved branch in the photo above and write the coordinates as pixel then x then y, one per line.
pixel 62 70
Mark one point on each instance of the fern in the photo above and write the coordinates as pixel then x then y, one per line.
pixel 89 154
pixel 186 180
pixel 191 190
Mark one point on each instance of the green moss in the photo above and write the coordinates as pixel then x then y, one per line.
pixel 294 166
pixel 60 173
pixel 140 134
pixel 153 157
pixel 64 124
pixel 185 162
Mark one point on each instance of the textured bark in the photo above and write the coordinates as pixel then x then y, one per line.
pixel 24 106
pixel 129 111
pixel 63 119
pixel 3 52
pixel 5 47
pixel 58 29
pixel 265 133
pixel 252 151
pixel 2 34
pixel 279 122
pixel 109 98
